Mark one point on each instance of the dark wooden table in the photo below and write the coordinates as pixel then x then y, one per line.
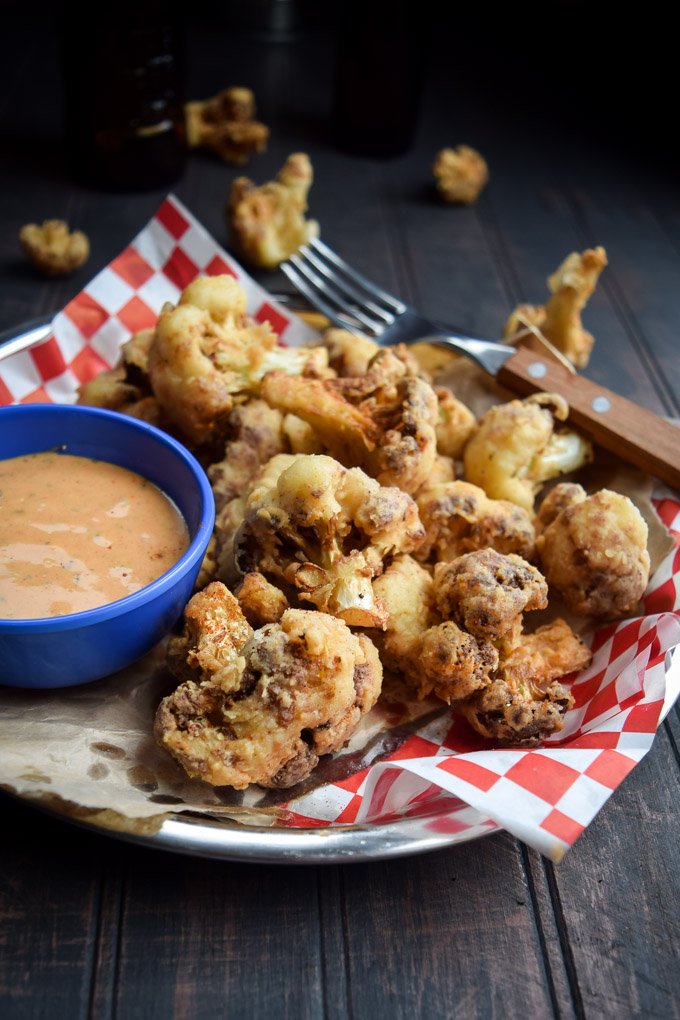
pixel 93 927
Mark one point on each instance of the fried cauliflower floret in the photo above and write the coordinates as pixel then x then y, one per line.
pixel 455 423
pixel 443 471
pixel 433 657
pixel 485 592
pixel 348 353
pixel 516 448
pixel 326 531
pixel 260 601
pixel 53 248
pixel 459 517
pixel 383 421
pixel 594 553
pixel 563 495
pixel 559 319
pixel 267 223
pixel 206 352
pixel 226 124
pixel 302 686
pixel 214 631
pixel 255 434
pixel 525 703
pixel 461 174
pixel 110 389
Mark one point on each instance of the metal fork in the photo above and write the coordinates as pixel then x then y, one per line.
pixel 349 300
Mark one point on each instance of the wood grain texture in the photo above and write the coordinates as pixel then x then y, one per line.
pixel 90 927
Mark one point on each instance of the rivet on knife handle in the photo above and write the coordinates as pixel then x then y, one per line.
pixel 635 434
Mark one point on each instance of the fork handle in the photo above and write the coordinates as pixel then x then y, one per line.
pixel 633 433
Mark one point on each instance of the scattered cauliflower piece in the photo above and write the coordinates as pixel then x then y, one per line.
pixel 516 448
pixel 486 592
pixel 459 517
pixel 260 601
pixel 383 421
pixel 559 320
pixel 461 174
pixel 226 124
pixel 594 553
pixel 52 248
pixel 297 689
pixel 206 351
pixel 433 657
pixel 267 223
pixel 326 531
pixel 525 703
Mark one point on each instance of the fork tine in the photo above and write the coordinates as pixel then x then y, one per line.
pixel 329 293
pixel 316 301
pixel 344 287
pixel 377 293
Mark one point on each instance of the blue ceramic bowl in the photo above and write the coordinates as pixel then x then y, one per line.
pixel 62 651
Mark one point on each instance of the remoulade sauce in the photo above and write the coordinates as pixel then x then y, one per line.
pixel 77 533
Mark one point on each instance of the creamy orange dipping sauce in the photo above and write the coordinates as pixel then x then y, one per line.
pixel 77 533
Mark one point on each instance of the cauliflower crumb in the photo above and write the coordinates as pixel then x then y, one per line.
pixel 53 248
pixel 226 124
pixel 594 553
pixel 267 223
pixel 461 174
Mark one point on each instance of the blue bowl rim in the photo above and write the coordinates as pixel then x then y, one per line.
pixel 195 550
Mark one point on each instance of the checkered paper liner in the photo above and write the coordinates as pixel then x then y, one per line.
pixel 445 774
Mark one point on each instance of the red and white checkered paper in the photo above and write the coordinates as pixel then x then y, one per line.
pixel 446 774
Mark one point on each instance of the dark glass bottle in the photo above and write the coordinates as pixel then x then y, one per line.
pixel 380 73
pixel 122 68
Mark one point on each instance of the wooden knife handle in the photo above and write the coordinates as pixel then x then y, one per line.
pixel 633 433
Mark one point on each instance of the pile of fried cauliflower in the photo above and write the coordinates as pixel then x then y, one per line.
pixel 346 542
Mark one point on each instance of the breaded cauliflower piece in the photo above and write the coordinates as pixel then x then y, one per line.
pixel 443 471
pixel 563 495
pixel 383 421
pixel 326 531
pixel 461 174
pixel 206 352
pixel 349 354
pixel 226 124
pixel 255 434
pixel 455 423
pixel 594 553
pixel 525 703
pixel 559 320
pixel 267 223
pixel 433 657
pixel 53 248
pixel 125 385
pixel 301 687
pixel 459 517
pixel 516 448
pixel 260 601
pixel 214 631
pixel 486 592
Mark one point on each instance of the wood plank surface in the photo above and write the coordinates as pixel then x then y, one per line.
pixel 93 927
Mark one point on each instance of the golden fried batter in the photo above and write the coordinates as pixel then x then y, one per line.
pixel 302 687
pixel 486 592
pixel 433 657
pixel 455 423
pixel 459 517
pixel 558 499
pixel 326 531
pixel 213 634
pixel 461 174
pixel 524 703
pixel 206 352
pixel 267 223
pixel 260 601
pixel 383 421
pixel 52 248
pixel 226 124
pixel 254 435
pixel 517 447
pixel 559 320
pixel 594 553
